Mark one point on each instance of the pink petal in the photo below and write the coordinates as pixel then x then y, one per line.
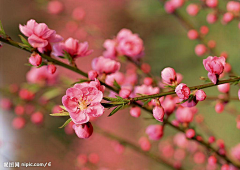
pixel 37 42
pixel 58 49
pixel 74 92
pixel 80 117
pixel 70 104
pixel 96 110
pixel 55 38
pixel 212 77
pixel 42 30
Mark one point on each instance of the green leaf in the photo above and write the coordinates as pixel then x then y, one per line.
pixel 115 110
pixel 116 84
pixel 62 107
pixel 68 57
pixel 60 114
pixel 24 40
pixel 146 102
pixel 117 99
pixel 66 123
pixel 52 93
pixel 1 29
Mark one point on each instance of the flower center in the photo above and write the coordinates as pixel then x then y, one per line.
pixel 83 105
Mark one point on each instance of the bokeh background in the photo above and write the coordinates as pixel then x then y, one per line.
pixel 166 44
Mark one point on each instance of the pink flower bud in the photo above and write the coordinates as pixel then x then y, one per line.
pixel 220 143
pixel 224 88
pixel 124 93
pixel 204 30
pixel 83 130
pixel 55 7
pixel 135 111
pixel 192 9
pixel 212 3
pixel 92 74
pixel 37 118
pixel 184 115
pixel 200 95
pixel 105 65
pixel 169 7
pixel 148 81
pixel 146 68
pixel 18 122
pixel 239 94
pixel 158 113
pixel 93 158
pixel 177 3
pixel 200 50
pixel 78 14
pixel 26 94
pixel 211 44
pixel 35 59
pixel 19 110
pixel 224 54
pixel 118 77
pixel 5 104
pixel 233 6
pixel 225 167
pixel 144 144
pixel 219 107
pixel 227 17
pixel 183 91
pixel 227 68
pixel 51 68
pixel 211 139
pixel 169 75
pixel 190 133
pixel 192 34
pixel 211 18
pixel 155 132
pixel 199 158
pixel 212 160
pixel 188 103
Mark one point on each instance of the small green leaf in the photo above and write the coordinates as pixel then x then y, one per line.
pixel 115 83
pixel 117 99
pixel 115 110
pixel 68 57
pixel 24 40
pixel 62 107
pixel 60 114
pixel 66 123
pixel 146 102
pixel 1 29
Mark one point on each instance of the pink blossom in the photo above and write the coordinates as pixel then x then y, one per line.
pixel 92 74
pixel 189 103
pixel 105 65
pixel 193 34
pixel 180 140
pixel 200 50
pixel 144 89
pixel 235 152
pixel 26 94
pixel 73 47
pixel 35 59
pixel 219 107
pixel 148 81
pixel 51 68
pixel 199 158
pixel 55 7
pixel 169 7
pixel 5 104
pixel 179 154
pixel 118 77
pixel 225 167
pixel 190 133
pixel 184 115
pixel 211 18
pixel 169 75
pixel 84 130
pixel 212 160
pixel 124 93
pixel 227 17
pixel 39 35
pixel 204 30
pixel 239 94
pixel 233 6
pixel 177 3
pixel 168 105
pixel 158 113
pixel 146 68
pixel 200 95
pixel 224 88
pixel 155 132
pixel 214 66
pixel 82 101
pixel 135 111
pixel 19 110
pixel 227 67
pixel 183 91
pixel 41 76
pixel 211 139
pixel 212 3
pixel 144 144
pixel 129 44
pixel 18 123
pixel 111 51
pixel 192 9
pixel 37 118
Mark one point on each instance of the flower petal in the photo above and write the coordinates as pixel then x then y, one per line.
pixel 70 103
pixel 96 110
pixel 79 117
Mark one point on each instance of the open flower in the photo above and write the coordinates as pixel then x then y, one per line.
pixel 214 66
pixel 183 91
pixel 83 100
pixel 105 65
pixel 73 47
pixel 39 35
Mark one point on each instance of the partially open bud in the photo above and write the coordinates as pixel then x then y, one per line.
pixel 200 95
pixel 190 133
pixel 37 118
pixel 212 160
pixel 18 122
pixel 84 130
pixel 124 93
pixel 155 132
pixel 224 88
pixel 169 75
pixel 51 68
pixel 183 91
pixel 158 113
pixel 92 74
pixel 135 111
pixel 35 59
